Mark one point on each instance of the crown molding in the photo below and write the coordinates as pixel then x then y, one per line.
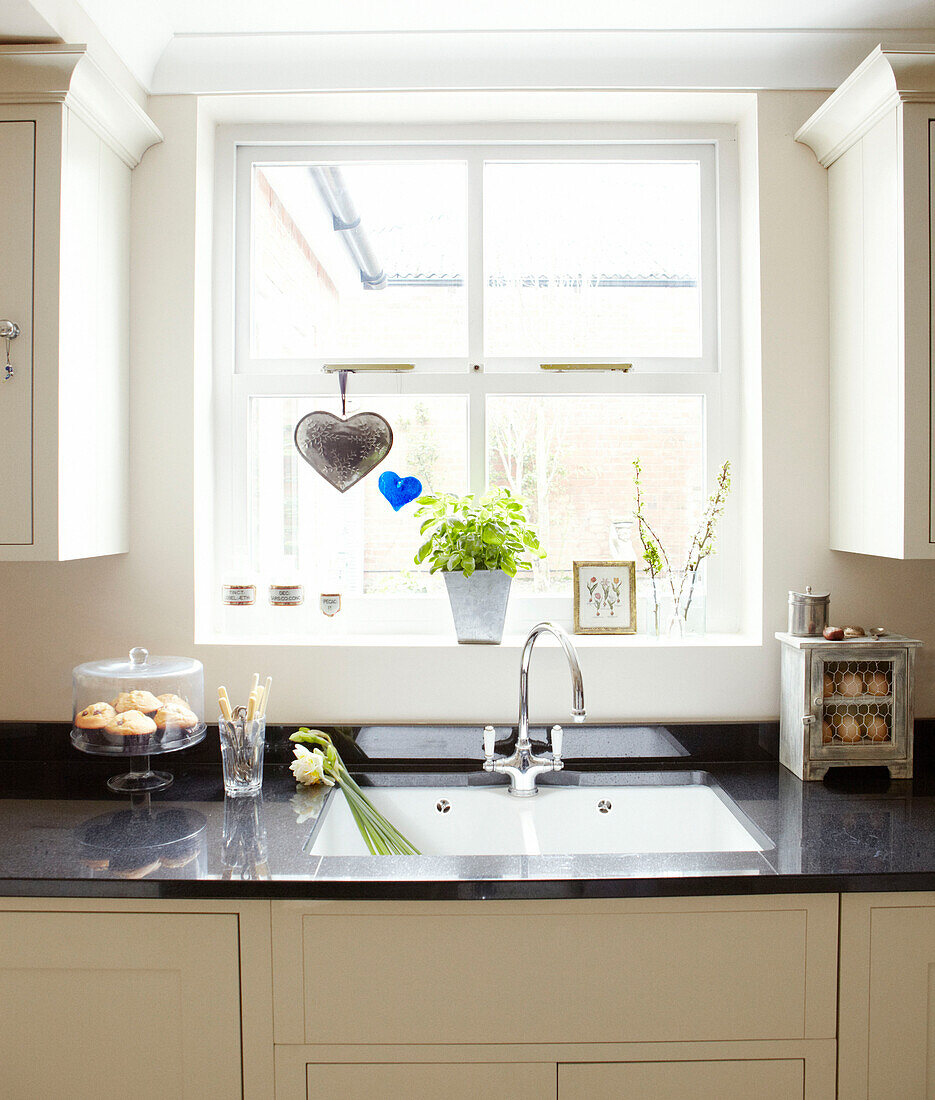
pixel 888 77
pixel 721 60
pixel 67 74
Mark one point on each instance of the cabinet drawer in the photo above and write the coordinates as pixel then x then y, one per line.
pixel 766 1079
pixel 684 969
pixel 427 1081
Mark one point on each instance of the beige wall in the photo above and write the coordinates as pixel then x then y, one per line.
pixel 54 615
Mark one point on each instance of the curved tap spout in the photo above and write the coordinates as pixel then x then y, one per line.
pixel 523 766
pixel 578 712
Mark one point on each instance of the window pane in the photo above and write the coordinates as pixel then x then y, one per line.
pixel 353 542
pixel 571 457
pixel 592 259
pixel 359 260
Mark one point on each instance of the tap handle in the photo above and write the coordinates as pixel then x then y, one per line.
pixel 490 736
pixel 557 735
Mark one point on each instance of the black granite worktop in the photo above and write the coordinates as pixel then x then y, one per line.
pixel 62 833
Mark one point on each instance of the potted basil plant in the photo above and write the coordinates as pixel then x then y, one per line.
pixel 479 543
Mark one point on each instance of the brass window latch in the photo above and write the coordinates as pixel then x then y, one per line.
pixel 586 366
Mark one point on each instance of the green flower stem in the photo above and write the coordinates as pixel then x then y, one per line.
pixel 345 780
pixel 381 836
pixel 392 834
pixel 396 841
pixel 364 832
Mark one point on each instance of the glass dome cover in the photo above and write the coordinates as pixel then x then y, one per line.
pixel 139 665
pixel 138 705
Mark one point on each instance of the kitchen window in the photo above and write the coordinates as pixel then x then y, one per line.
pixel 479 266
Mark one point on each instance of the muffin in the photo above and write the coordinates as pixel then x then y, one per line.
pixel 174 863
pixel 129 727
pixel 144 702
pixel 171 700
pixel 95 864
pixel 141 870
pixel 95 717
pixel 174 718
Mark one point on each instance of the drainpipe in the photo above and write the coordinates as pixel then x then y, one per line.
pixel 329 179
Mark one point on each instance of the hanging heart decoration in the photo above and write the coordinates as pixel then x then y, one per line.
pixel 399 491
pixel 343 451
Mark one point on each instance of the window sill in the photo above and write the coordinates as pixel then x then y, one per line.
pixel 511 642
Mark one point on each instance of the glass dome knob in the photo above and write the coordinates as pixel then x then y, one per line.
pixel 139 656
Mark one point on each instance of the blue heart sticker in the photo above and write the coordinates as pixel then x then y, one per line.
pixel 399 490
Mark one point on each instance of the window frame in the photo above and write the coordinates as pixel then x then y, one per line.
pixel 238 375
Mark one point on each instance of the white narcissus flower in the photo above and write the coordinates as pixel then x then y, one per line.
pixel 307 802
pixel 309 767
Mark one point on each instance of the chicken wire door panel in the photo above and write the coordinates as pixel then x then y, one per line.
pixel 859 699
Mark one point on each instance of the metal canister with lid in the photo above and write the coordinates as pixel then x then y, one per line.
pixel 808 612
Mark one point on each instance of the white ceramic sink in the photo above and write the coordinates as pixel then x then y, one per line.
pixel 482 821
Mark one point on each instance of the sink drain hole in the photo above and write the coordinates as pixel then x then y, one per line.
pixel 604 806
pixel 443 805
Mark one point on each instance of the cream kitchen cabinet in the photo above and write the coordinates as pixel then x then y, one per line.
pixel 452 1080
pixel 560 998
pixel 656 998
pixel 701 1071
pixel 887 1018
pixel 111 999
pixel 876 137
pixel 713 1078
pixel 68 142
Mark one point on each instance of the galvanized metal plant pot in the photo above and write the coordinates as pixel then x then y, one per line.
pixel 478 605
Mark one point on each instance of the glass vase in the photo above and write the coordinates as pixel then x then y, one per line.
pixel 681 614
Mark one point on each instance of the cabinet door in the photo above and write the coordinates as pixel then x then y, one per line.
pixel 765 1079
pixel 453 1081
pixel 636 970
pixel 931 288
pixel 865 725
pixel 17 186
pixel 101 1005
pixel 887 1018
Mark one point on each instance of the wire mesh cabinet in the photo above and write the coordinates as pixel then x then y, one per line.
pixel 846 704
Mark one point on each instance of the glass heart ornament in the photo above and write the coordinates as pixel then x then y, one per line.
pixel 399 491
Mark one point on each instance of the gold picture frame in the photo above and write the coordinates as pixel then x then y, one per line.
pixel 604 589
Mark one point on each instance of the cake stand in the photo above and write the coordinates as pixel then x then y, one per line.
pixel 141 777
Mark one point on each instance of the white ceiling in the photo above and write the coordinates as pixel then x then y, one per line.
pixel 316 16
pixel 160 40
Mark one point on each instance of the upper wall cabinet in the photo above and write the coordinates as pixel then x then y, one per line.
pixel 69 140
pixel 876 137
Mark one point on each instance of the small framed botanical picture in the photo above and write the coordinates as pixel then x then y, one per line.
pixel 605 597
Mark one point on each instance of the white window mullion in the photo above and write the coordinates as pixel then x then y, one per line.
pixel 475 255
pixel 243 262
pixel 477 410
pixel 477 440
